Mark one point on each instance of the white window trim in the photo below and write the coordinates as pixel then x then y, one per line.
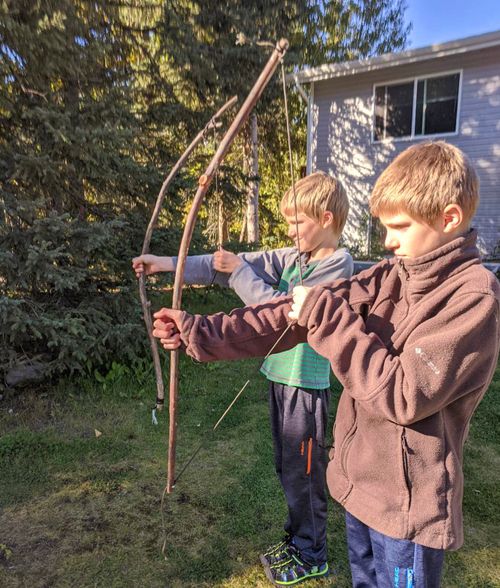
pixel 415 80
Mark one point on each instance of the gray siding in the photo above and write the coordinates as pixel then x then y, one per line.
pixel 341 141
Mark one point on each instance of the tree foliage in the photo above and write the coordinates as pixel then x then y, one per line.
pixel 97 100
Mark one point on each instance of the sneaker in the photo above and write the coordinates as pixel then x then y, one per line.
pixel 277 554
pixel 296 571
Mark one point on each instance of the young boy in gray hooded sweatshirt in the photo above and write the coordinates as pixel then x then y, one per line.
pixel 299 378
pixel 414 340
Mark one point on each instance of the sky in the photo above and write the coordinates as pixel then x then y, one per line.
pixel 437 21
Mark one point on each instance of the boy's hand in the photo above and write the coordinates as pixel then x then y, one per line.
pixel 225 261
pixel 299 295
pixel 151 264
pixel 165 328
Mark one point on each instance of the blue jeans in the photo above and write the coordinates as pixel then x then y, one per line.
pixel 378 561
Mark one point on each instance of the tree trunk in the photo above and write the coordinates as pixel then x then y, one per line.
pixel 252 165
pixel 243 227
pixel 222 230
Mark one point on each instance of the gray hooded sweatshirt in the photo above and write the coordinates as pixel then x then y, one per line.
pixel 257 278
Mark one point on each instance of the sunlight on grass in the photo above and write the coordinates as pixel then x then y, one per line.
pixel 474 568
pixel 254 576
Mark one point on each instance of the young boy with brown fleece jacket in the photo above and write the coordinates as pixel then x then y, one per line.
pixel 414 340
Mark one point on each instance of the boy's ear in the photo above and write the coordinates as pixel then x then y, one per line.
pixel 327 218
pixel 453 217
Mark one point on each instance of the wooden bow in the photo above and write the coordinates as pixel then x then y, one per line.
pixel 203 185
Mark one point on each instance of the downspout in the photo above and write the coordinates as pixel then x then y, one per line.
pixel 308 99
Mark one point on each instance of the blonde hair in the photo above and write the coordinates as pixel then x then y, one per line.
pixel 424 179
pixel 315 194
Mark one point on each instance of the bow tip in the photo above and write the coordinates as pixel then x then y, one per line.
pixel 283 44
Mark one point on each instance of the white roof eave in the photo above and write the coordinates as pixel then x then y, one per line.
pixel 349 68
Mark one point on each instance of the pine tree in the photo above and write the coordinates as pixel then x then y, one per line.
pixel 73 172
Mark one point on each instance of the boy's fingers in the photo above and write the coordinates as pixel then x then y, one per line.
pixel 167 314
pixel 170 343
pixel 163 333
pixel 163 324
pixel 299 295
pixel 218 260
pixel 225 261
pixel 139 260
pixel 294 313
pixel 167 333
pixel 165 327
pixel 138 266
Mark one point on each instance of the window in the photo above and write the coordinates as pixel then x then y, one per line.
pixel 418 107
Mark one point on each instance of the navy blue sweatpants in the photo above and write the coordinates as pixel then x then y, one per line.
pixel 378 561
pixel 298 421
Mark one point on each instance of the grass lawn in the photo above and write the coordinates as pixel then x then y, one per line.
pixel 83 510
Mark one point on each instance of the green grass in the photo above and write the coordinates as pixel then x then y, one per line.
pixel 84 510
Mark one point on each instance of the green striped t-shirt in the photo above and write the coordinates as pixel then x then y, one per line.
pixel 301 366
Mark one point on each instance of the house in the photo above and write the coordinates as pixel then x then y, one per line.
pixel 361 114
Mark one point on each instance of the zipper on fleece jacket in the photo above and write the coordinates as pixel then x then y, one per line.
pixel 405 454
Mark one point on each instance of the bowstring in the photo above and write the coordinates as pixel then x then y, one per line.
pixel 218 197
pixel 292 175
pixel 218 201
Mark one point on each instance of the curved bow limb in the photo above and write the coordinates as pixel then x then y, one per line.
pixel 203 185
pixel 211 124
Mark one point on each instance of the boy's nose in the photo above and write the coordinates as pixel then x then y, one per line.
pixel 391 243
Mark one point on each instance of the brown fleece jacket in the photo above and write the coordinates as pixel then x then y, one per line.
pixel 414 344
